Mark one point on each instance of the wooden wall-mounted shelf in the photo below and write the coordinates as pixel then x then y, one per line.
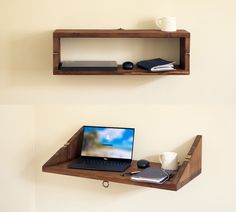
pixel 183 68
pixel 190 168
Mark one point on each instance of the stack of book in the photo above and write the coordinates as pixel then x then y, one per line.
pixel 157 64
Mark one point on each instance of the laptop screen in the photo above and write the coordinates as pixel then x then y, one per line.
pixel 108 142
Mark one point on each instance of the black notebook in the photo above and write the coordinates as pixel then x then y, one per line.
pixel 151 175
pixel 157 64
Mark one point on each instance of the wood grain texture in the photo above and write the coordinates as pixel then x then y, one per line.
pixel 192 165
pixel 119 33
pixel 58 164
pixel 120 71
pixel 56 53
pixel 183 35
pixel 185 53
pixel 69 151
pixel 108 176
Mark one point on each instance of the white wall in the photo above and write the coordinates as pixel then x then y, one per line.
pixel 175 107
pixel 17 159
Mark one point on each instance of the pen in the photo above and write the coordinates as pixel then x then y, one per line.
pixel 130 173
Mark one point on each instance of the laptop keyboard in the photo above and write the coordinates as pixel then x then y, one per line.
pixel 102 165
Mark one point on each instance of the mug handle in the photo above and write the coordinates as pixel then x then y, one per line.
pixel 159 22
pixel 160 158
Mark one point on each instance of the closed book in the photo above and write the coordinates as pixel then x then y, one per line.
pixel 151 175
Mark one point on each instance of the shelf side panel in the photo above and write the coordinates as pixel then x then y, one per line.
pixel 56 52
pixel 69 151
pixel 192 165
pixel 185 53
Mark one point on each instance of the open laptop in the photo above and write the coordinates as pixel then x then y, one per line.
pixel 105 149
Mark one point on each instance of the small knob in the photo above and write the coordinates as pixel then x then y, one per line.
pixel 105 184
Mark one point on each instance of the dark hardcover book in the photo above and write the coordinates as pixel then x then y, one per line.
pixel 89 66
pixel 156 64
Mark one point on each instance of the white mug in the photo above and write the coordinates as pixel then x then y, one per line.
pixel 167 24
pixel 169 160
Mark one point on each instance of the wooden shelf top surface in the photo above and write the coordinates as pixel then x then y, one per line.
pixel 189 169
pixel 111 176
pixel 119 33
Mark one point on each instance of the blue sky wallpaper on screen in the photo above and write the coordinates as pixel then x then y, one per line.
pixel 108 142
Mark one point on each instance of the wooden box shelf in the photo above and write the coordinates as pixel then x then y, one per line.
pixel 58 163
pixel 183 68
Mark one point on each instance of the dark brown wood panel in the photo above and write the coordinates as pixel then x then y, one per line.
pixel 108 176
pixel 120 71
pixel 58 164
pixel 185 53
pixel 119 33
pixel 183 35
pixel 192 165
pixel 56 53
pixel 69 151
